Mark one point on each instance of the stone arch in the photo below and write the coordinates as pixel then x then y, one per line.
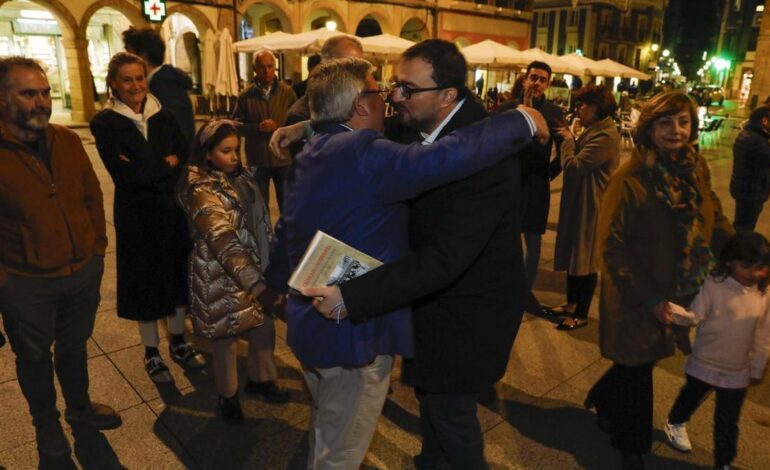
pixel 201 22
pixel 410 23
pixel 75 48
pixel 383 18
pixel 339 16
pixel 281 9
pixel 129 9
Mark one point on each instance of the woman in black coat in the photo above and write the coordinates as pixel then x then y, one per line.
pixel 143 149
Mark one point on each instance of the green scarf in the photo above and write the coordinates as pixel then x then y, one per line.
pixel 674 184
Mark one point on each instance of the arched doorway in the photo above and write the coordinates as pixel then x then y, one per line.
pixel 414 30
pixel 183 46
pixel 46 31
pixel 103 33
pixel 324 18
pixel 261 19
pixel 369 26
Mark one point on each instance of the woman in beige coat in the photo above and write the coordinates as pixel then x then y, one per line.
pixel 231 234
pixel 660 222
pixel 587 165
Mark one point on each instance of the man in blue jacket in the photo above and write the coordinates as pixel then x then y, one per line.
pixel 349 181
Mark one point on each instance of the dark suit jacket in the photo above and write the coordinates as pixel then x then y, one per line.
pixel 171 86
pixel 465 278
pixel 537 170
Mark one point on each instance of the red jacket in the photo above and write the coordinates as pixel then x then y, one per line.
pixel 51 222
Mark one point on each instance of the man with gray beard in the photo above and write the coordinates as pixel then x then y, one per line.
pixel 52 243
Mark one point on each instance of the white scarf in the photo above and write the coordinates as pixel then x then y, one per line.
pixel 151 107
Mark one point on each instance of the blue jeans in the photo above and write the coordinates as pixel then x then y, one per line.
pixel 42 312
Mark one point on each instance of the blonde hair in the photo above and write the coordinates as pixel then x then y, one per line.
pixel 119 60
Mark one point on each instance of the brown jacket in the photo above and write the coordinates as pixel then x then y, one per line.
pixel 51 222
pixel 587 165
pixel 226 261
pixel 251 109
pixel 638 248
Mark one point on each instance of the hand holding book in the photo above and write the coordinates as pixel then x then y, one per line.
pixel 328 301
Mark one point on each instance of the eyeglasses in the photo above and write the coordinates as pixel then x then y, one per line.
pixel 407 92
pixel 534 78
pixel 383 92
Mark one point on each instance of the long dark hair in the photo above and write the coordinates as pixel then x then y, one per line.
pixel 747 247
pixel 207 138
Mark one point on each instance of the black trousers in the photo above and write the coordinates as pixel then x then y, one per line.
pixel 624 395
pixel 580 291
pixel 726 415
pixel 41 312
pixel 451 433
pixel 278 175
pixel 746 215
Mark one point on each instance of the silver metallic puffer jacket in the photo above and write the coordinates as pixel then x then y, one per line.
pixel 225 264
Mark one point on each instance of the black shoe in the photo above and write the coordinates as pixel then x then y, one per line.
pixel 631 461
pixel 230 409
pixel 269 391
pixel 94 414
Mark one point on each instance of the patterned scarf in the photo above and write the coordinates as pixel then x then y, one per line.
pixel 674 184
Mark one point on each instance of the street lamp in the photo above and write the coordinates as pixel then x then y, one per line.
pixel 331 25
pixel 654 48
pixel 666 53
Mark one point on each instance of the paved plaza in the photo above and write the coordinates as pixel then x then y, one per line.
pixel 533 419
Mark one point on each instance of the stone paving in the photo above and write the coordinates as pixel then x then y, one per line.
pixel 534 419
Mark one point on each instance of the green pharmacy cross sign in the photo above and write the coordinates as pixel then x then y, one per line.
pixel 154 10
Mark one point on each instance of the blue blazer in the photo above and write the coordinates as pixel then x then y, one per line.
pixel 351 184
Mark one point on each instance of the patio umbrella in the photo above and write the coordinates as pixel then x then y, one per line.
pixel 385 45
pixel 557 65
pixel 589 67
pixel 227 78
pixel 273 41
pixel 493 54
pixel 624 70
pixel 313 41
pixel 209 65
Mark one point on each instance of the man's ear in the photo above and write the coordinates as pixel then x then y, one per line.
pixel 449 96
pixel 359 108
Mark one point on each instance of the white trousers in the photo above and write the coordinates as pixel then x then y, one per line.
pixel 346 406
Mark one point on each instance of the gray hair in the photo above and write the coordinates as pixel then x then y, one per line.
pixel 8 63
pixel 333 87
pixel 259 52
pixel 329 49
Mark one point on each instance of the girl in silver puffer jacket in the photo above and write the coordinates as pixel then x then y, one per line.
pixel 231 232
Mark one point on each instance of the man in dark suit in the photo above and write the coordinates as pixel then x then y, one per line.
pixel 464 278
pixel 537 171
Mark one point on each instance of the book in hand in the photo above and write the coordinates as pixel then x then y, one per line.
pixel 328 261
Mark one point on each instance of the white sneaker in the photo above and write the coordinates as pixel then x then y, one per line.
pixel 677 436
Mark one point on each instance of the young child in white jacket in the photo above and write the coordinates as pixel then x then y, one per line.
pixel 732 341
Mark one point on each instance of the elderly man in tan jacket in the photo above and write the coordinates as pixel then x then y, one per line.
pixel 52 242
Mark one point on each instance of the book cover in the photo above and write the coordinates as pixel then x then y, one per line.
pixel 328 261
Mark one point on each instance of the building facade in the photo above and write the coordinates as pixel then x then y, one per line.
pixel 738 34
pixel 76 38
pixel 760 85
pixel 626 31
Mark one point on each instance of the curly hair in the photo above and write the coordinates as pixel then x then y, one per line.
pixel 601 96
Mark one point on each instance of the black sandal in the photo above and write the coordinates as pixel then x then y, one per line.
pixel 566 309
pixel 572 323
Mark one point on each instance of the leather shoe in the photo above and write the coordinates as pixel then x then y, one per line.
pixel 268 391
pixel 94 414
pixel 566 309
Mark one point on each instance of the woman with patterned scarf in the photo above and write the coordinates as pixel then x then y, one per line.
pixel 659 225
